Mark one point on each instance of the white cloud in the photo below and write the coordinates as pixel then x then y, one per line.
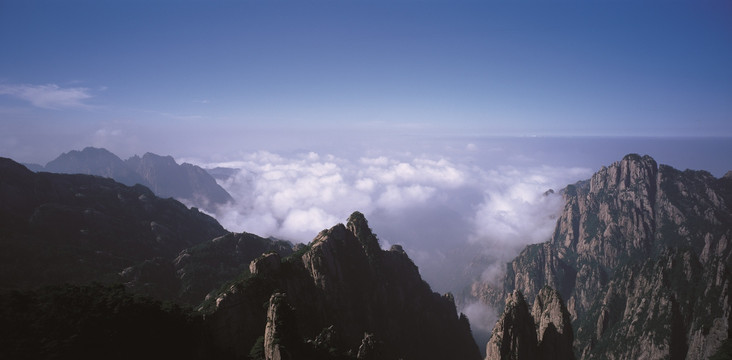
pixel 48 96
pixel 423 171
pixel 279 192
pixel 303 194
pixel 400 197
pixel 515 209
pixel 429 205
pixel 482 317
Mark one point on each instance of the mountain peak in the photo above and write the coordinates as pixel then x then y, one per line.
pixel 340 289
pixel 541 332
pixel 95 161
pixel 359 226
pixel 632 171
pixel 514 336
pixel 167 160
pixel 91 149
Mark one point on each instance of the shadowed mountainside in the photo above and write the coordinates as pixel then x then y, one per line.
pixel 340 297
pixel 57 228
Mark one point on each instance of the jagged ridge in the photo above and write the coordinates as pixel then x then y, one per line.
pixel 344 285
pixel 542 333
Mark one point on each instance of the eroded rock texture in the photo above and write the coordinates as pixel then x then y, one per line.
pixel 641 253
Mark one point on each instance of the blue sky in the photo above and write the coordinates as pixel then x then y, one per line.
pixel 182 77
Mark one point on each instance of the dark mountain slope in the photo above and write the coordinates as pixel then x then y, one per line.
pixel 96 322
pixel 642 254
pixel 200 269
pixel 56 228
pixel 342 296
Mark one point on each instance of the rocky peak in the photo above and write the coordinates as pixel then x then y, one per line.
pixel 278 335
pixel 358 225
pixel 553 325
pixel 266 264
pixel 544 332
pixel 514 336
pixel 346 285
pixel 629 173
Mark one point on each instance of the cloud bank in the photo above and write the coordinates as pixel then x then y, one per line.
pixel 432 205
pixel 294 198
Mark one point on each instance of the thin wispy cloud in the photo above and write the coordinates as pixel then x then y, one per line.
pixel 49 96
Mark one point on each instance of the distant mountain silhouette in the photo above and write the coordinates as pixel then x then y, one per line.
pixel 185 182
pixel 34 167
pixel 95 161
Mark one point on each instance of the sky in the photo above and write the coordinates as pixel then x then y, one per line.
pixel 214 77
pixel 443 121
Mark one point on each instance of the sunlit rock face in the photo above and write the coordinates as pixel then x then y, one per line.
pixel 348 298
pixel 641 253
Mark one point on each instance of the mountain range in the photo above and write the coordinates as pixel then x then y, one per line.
pixel 67 239
pixel 166 178
pixel 638 267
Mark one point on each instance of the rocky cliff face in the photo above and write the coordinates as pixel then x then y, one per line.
pixel 642 254
pixel 57 228
pixel 278 335
pixel 542 332
pixel 349 299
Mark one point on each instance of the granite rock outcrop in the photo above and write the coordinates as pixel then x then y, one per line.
pixel 641 253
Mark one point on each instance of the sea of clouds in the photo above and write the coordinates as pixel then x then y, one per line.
pixel 458 218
